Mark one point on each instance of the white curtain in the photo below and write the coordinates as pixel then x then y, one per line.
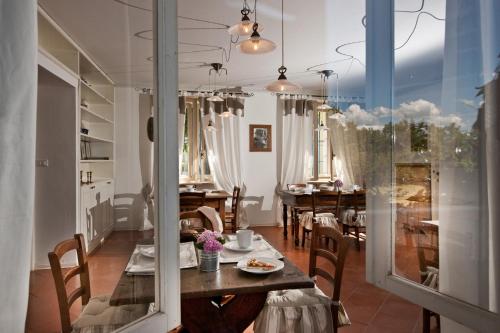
pixel 346 146
pixel 468 204
pixel 223 153
pixel 294 144
pixel 181 120
pixel 18 85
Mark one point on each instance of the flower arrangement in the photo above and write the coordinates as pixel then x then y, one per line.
pixel 210 241
pixel 338 183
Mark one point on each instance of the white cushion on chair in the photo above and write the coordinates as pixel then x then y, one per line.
pixel 348 215
pixel 100 317
pixel 306 219
pixel 296 310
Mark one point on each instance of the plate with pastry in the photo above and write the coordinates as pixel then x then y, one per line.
pixel 260 265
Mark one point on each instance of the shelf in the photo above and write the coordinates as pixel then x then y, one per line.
pixel 98 181
pixel 95 139
pixel 92 96
pixel 90 72
pixel 92 117
pixel 96 161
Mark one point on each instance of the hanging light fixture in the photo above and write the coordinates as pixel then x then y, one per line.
pixel 215 67
pixel 321 127
pixel 211 126
pixel 244 28
pixel 256 44
pixel 325 74
pixel 282 85
pixel 337 113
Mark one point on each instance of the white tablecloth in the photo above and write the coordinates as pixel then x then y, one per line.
pixel 261 249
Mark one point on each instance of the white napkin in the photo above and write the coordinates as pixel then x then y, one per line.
pixel 140 264
pixel 214 217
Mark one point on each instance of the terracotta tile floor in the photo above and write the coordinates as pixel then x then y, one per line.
pixel 370 309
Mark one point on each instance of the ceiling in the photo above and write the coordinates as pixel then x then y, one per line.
pixel 117 35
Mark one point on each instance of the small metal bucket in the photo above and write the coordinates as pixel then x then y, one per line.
pixel 209 261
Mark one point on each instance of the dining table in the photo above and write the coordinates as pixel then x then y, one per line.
pixel 291 199
pixel 226 300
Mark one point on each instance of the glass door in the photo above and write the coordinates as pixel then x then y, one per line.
pixel 435 188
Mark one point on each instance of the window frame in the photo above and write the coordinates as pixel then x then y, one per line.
pixel 380 229
pixel 166 173
pixel 197 173
pixel 316 176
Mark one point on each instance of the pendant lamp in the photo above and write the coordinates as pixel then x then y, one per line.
pixel 244 28
pixel 321 127
pixel 256 44
pixel 211 126
pixel 282 85
pixel 215 67
pixel 325 74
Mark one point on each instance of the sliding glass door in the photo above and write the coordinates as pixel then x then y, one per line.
pixel 435 232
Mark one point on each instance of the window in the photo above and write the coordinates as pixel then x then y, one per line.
pixel 194 166
pixel 322 152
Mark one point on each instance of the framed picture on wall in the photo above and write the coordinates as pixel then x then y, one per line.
pixel 260 138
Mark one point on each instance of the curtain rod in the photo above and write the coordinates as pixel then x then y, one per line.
pixel 341 98
pixel 194 93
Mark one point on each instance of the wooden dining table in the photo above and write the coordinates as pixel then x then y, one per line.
pixel 201 292
pixel 291 198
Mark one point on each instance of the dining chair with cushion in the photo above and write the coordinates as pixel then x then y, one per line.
pixel 231 222
pixel 354 215
pixel 192 223
pixel 310 310
pixel 302 204
pixel 428 260
pixel 97 315
pixel 324 206
pixel 189 201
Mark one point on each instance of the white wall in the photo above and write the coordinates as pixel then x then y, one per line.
pixel 259 168
pixel 129 202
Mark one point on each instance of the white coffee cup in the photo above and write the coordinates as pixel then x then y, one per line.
pixel 245 238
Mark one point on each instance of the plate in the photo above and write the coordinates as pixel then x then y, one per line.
pixel 147 251
pixel 278 265
pixel 233 246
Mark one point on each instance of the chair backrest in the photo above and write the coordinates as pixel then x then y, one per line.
pixel 427 246
pixel 359 201
pixel 325 201
pixel 61 278
pixel 199 221
pixel 189 201
pixel 235 201
pixel 335 256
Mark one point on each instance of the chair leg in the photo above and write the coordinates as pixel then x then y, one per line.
pixel 296 230
pixel 293 213
pixel 358 244
pixel 303 236
pixel 426 321
pixel 335 315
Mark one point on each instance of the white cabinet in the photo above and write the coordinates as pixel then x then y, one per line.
pixel 96 212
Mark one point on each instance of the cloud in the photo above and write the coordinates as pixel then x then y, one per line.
pixel 414 111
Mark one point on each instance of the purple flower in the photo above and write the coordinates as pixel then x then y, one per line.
pixel 338 183
pixel 212 245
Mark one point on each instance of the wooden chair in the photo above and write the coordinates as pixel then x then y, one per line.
pixel 354 215
pixel 428 261
pixel 231 222
pixel 324 207
pixel 97 314
pixel 189 201
pixel 302 205
pixel 311 297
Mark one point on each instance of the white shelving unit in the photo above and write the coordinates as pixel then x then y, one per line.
pixel 95 112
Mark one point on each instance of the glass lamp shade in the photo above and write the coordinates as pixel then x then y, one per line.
pixel 211 127
pixel 324 107
pixel 226 114
pixel 321 127
pixel 337 116
pixel 215 98
pixel 283 86
pixel 244 28
pixel 256 45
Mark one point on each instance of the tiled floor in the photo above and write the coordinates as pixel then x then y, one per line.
pixel 370 309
